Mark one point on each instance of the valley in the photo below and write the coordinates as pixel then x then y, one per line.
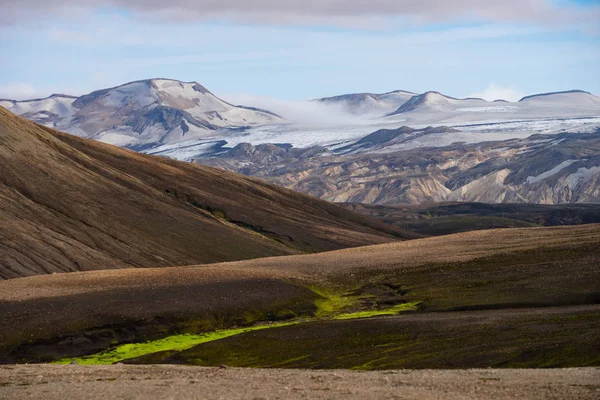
pixel 266 263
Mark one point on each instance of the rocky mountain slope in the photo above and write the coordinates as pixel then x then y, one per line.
pixel 142 113
pixel 546 169
pixel 72 204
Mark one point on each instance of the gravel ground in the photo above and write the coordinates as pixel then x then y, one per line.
pixel 176 382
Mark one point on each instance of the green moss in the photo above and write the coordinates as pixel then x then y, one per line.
pixel 171 343
pixel 414 306
pixel 331 302
pixel 330 305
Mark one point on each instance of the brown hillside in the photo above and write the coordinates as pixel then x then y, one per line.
pixel 502 269
pixel 71 204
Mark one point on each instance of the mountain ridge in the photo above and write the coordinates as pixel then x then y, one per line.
pixel 573 91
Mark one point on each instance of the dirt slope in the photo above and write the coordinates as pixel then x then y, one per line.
pixel 71 204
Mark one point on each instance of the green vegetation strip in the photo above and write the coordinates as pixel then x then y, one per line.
pixel 171 343
pixel 330 306
pixel 397 309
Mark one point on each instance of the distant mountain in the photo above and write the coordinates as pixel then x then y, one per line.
pixel 142 113
pixel 434 101
pixel 447 218
pixel 369 103
pixel 53 110
pixel 184 120
pixel 72 204
pixel 437 108
pixel 379 169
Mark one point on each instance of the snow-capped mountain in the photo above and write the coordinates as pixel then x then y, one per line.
pixel 388 148
pixel 369 104
pixel 142 113
pixel 437 108
pixel 49 111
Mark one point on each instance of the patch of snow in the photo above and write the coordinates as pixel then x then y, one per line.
pixel 61 106
pixel 115 138
pixel 549 173
pixel 185 151
pixel 139 93
pixel 489 109
pixel 581 176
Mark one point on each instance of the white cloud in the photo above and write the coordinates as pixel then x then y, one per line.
pixel 17 91
pixel 497 92
pixel 304 112
pixel 349 13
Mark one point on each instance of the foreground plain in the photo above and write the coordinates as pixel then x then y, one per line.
pixel 166 382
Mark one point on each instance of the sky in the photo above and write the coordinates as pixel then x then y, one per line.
pixel 302 49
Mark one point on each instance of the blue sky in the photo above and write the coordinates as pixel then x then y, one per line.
pixel 304 52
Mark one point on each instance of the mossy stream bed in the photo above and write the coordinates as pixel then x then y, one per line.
pixel 169 343
pixel 331 306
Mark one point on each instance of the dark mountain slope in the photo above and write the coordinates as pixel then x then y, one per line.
pixel 69 204
pixel 433 219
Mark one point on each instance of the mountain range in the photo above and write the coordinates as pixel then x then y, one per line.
pixel 437 108
pixel 147 114
pixel 389 148
pixel 545 169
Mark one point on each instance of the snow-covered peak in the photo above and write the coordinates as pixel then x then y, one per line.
pixel 369 103
pixel 189 96
pixel 50 110
pixel 572 97
pixel 436 108
pixel 142 113
pixel 137 94
pixel 431 101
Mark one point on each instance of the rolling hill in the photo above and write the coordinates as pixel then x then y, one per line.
pixel 72 204
pixel 433 219
pixel 527 289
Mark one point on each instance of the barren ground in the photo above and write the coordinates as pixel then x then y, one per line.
pixel 170 382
